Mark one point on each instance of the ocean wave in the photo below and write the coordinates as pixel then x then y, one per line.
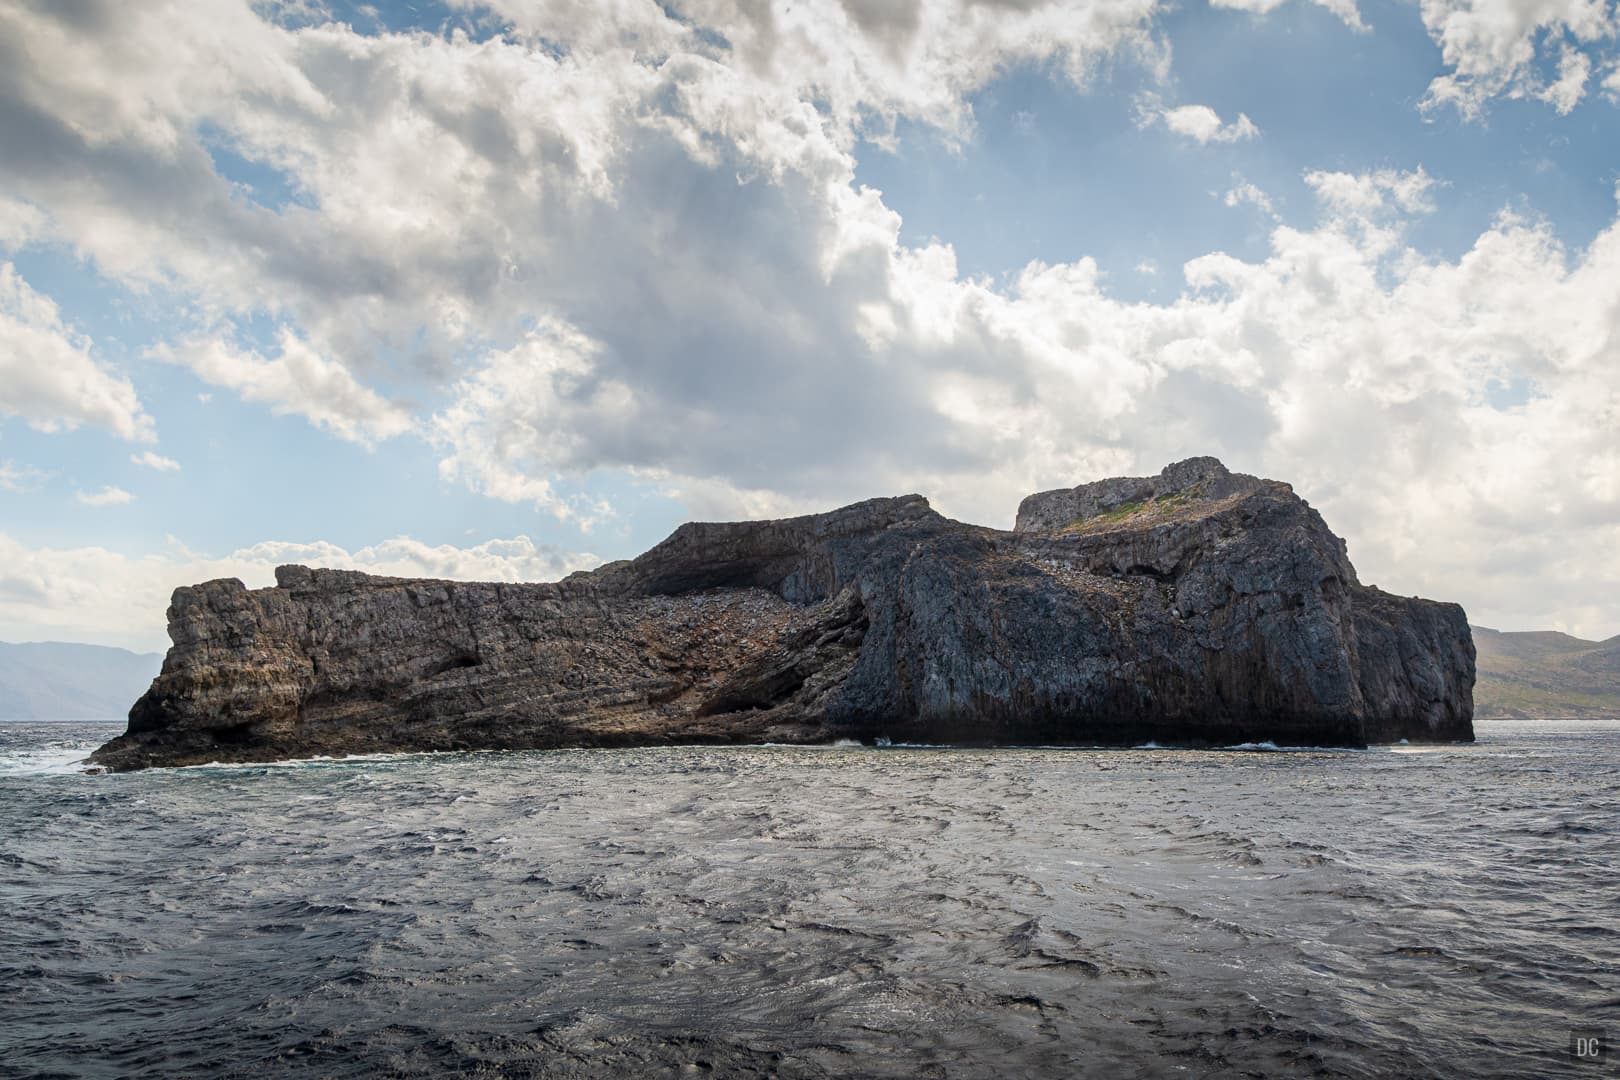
pixel 965 913
pixel 52 761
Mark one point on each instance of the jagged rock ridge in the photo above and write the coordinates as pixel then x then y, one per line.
pixel 1196 607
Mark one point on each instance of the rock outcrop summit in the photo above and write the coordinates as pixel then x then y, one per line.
pixel 1197 607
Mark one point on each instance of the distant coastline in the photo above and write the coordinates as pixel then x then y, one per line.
pixel 1545 675
pixel 66 681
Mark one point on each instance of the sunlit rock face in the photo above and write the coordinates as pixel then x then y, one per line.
pixel 1197 607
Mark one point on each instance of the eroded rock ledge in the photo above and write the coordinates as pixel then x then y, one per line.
pixel 1198 607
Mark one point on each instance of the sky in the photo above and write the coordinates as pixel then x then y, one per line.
pixel 501 289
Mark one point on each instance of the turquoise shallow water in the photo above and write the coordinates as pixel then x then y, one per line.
pixel 1449 911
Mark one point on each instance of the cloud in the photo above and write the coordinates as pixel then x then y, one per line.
pixel 1366 195
pixel 1204 124
pixel 521 417
pixel 1248 194
pixel 19 223
pixel 1574 69
pixel 298 381
pixel 155 461
pixel 48 376
pixel 1343 361
pixel 420 182
pixel 1493 47
pixel 95 595
pixel 1375 204
pixel 15 477
pixel 1346 10
pixel 639 247
pixel 1359 371
pixel 107 496
pixel 517 559
pixel 868 62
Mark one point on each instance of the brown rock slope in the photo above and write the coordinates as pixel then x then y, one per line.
pixel 1196 607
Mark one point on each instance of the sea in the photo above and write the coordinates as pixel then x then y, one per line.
pixel 1404 911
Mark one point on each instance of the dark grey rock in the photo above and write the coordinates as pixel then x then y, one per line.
pixel 1197 607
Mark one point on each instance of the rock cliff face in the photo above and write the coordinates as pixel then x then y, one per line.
pixel 1197 607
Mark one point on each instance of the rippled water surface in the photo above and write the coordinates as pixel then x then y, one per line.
pixel 1445 911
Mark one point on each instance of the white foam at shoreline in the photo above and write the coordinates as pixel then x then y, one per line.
pixel 54 761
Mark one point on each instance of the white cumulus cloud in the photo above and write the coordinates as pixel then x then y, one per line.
pixel 48 375
pixel 868 62
pixel 1346 10
pixel 20 223
pixel 107 496
pixel 299 381
pixel 1204 124
pixel 437 177
pixel 1492 47
pixel 521 416
pixel 1574 70
pixel 155 461
pixel 1249 194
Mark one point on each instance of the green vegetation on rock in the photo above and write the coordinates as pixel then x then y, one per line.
pixel 1162 506
pixel 1544 674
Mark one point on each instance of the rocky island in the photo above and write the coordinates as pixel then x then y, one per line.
pixel 1198 607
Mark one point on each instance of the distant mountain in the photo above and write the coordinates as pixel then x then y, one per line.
pixel 1543 673
pixel 53 680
